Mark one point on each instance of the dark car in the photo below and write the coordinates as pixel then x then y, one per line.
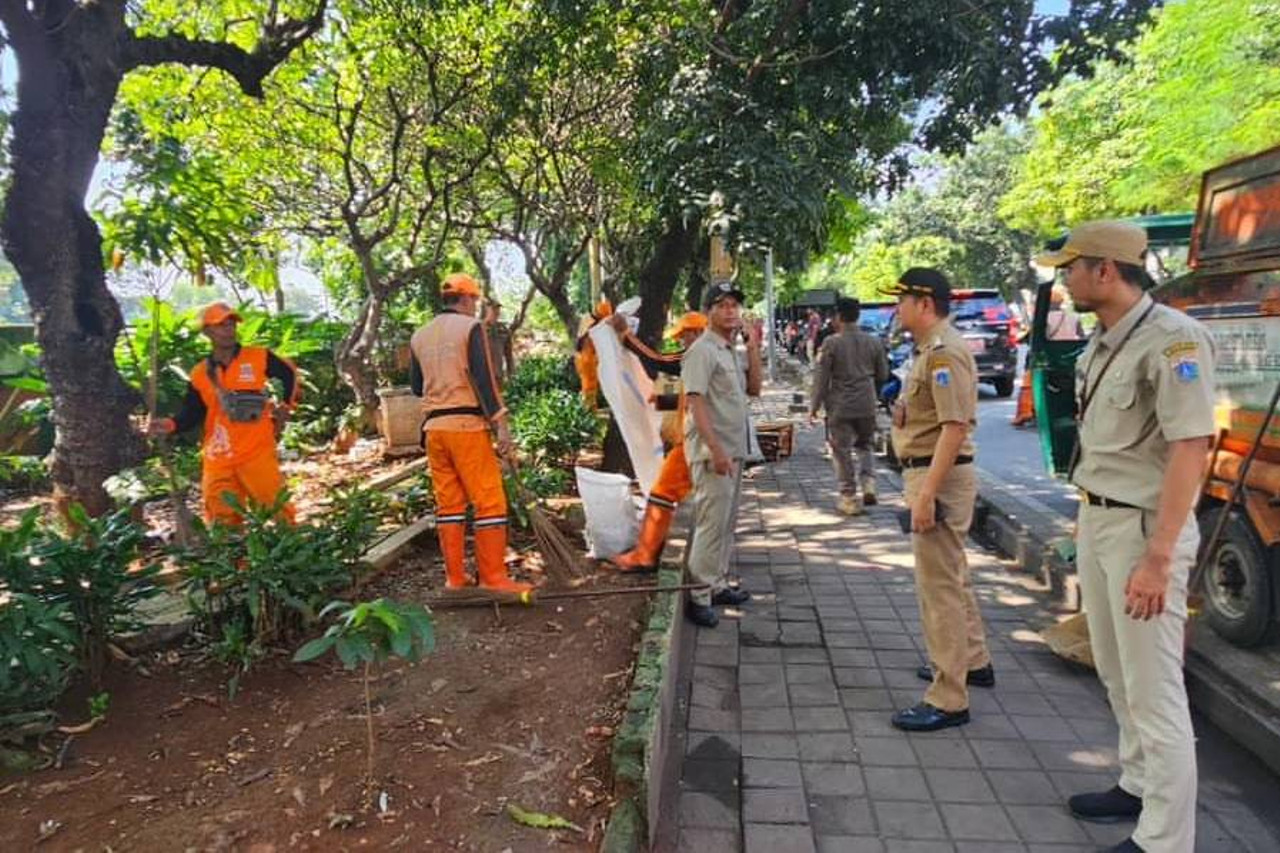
pixel 990 330
pixel 876 318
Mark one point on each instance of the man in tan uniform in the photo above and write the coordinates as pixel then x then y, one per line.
pixel 1144 400
pixel 715 442
pixel 852 366
pixel 933 436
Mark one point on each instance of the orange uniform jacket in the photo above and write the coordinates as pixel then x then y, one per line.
pixel 227 443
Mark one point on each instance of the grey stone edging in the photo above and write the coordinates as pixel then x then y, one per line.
pixel 639 747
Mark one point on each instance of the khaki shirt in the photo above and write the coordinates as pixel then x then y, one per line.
pixel 710 369
pixel 941 388
pixel 1158 389
pixel 851 366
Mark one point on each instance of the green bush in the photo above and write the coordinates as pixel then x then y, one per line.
pixel 92 570
pixel 536 375
pixel 23 473
pixel 66 595
pixel 546 482
pixel 255 586
pixel 553 427
pixel 37 652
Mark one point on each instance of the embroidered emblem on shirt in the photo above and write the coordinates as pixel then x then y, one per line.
pixel 942 376
pixel 246 372
pixel 1186 368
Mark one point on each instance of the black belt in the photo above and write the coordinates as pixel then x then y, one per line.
pixel 1098 500
pixel 456 410
pixel 926 461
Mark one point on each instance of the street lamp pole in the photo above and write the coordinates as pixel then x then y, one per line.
pixel 770 337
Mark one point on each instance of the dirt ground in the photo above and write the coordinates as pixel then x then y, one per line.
pixel 512 711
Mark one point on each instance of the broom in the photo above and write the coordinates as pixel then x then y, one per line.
pixel 563 562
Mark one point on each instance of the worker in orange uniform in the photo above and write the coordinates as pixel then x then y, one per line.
pixel 585 359
pixel 229 394
pixel 453 372
pixel 673 484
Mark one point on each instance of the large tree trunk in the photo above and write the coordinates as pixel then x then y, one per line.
pixel 558 294
pixel 354 358
pixel 657 282
pixel 658 278
pixel 67 84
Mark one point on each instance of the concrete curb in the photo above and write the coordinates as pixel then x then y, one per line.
pixel 1231 687
pixel 640 746
pixel 1037 539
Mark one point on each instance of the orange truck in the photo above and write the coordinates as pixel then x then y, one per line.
pixel 1233 287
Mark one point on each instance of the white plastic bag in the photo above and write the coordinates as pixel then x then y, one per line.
pixel 628 388
pixel 613 524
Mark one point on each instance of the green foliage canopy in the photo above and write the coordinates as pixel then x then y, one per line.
pixel 1202 85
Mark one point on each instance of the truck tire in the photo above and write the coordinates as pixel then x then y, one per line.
pixel 1237 582
pixel 1003 386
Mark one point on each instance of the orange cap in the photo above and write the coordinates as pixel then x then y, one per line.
pixel 461 284
pixel 603 309
pixel 693 321
pixel 216 313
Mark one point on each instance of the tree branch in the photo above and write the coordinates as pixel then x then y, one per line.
pixel 247 68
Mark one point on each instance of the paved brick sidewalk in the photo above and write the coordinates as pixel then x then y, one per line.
pixel 788 745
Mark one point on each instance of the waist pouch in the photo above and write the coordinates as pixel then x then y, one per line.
pixel 244 407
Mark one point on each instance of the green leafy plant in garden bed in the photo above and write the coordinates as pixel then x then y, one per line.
pixel 256 586
pixel 95 570
pixel 23 473
pixel 553 427
pixel 536 375
pixel 65 595
pixel 37 652
pixel 545 482
pixel 368 634
pixel 412 501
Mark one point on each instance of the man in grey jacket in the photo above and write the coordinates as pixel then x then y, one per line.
pixel 850 369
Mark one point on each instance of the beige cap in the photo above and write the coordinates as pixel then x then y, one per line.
pixel 1118 241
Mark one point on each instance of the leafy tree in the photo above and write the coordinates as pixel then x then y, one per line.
pixel 950 220
pixel 1200 85
pixel 72 58
pixel 947 218
pixel 788 108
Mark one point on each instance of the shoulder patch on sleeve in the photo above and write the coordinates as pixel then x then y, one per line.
pixel 1184 360
pixel 1181 348
pixel 940 369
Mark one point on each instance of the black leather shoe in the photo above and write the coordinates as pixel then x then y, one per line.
pixel 732 596
pixel 926 718
pixel 701 615
pixel 985 677
pixel 1106 807
pixel 1126 846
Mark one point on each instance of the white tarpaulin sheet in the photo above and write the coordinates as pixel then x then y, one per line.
pixel 628 388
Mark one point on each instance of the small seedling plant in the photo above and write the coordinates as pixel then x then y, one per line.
pixel 370 633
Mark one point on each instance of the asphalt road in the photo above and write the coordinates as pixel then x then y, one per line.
pixel 1013 454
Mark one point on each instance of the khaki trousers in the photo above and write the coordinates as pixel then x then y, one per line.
pixel 848 436
pixel 949 615
pixel 1140 664
pixel 715 497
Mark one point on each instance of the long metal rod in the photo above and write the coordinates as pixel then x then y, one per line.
pixel 474 598
pixel 1236 491
pixel 769 336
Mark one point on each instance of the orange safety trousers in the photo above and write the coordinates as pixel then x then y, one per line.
pixel 673 484
pixel 465 470
pixel 256 480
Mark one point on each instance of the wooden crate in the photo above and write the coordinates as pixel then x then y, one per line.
pixel 776 439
